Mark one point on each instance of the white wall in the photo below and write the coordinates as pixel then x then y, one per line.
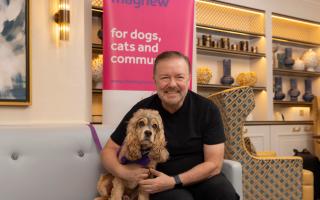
pixel 60 72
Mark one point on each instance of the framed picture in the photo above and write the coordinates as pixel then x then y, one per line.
pixel 14 53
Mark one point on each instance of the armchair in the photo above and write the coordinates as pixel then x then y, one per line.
pixel 263 177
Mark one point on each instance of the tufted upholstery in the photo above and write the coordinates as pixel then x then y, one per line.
pixel 59 162
pixel 263 178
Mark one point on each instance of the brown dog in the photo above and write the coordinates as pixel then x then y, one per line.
pixel 144 144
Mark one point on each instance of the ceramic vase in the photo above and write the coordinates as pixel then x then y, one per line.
pixel 293 92
pixel 310 60
pixel 288 60
pixel 308 96
pixel 298 64
pixel 281 58
pixel 278 94
pixel 227 79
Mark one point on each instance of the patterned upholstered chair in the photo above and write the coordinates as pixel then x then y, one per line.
pixel 263 177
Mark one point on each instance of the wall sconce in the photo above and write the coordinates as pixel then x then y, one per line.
pixel 62 18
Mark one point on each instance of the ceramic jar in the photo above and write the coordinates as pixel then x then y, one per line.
pixel 288 60
pixel 226 79
pixel 293 92
pixel 278 94
pixel 298 64
pixel 308 96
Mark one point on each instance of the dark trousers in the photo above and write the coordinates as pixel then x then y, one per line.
pixel 215 188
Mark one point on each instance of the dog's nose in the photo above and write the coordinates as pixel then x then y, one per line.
pixel 147 133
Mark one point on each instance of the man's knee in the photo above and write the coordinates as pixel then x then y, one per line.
pixel 175 194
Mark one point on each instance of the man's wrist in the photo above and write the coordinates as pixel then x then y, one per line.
pixel 178 183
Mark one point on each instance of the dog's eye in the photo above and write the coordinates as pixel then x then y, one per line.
pixel 155 126
pixel 141 124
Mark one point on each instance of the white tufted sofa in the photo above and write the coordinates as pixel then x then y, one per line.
pixel 58 162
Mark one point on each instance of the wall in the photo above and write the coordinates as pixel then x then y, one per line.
pixel 61 76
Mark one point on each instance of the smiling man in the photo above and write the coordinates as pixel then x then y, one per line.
pixel 194 134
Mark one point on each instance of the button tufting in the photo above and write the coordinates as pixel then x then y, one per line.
pixel 14 156
pixel 80 153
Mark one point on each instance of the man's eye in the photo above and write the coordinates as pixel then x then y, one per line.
pixel 164 78
pixel 155 126
pixel 141 124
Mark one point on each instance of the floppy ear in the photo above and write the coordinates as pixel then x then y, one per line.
pixel 158 151
pixel 131 144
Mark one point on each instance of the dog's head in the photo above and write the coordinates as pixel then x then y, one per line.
pixel 147 127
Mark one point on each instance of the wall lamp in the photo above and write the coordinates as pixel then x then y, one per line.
pixel 62 18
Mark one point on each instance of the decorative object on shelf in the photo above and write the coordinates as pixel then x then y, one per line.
pixel 204 74
pixel 308 96
pixel 317 69
pixel 278 94
pixel 247 78
pixel 298 64
pixel 100 34
pixel 204 40
pixel 208 43
pixel 288 61
pixel 281 57
pixel 293 92
pixel 227 79
pixel 274 57
pixel 310 60
pixel 96 67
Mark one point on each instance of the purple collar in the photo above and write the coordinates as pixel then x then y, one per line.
pixel 144 160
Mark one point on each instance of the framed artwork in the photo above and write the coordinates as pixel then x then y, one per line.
pixel 14 53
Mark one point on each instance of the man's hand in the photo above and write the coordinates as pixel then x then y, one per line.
pixel 160 183
pixel 134 173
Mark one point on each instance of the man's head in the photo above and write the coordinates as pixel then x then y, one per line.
pixel 171 74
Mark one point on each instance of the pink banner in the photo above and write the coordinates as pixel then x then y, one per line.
pixel 135 32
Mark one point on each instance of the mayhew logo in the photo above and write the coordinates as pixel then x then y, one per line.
pixel 139 3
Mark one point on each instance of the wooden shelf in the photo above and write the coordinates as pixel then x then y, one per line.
pixel 223 87
pixel 97 91
pixel 294 42
pixel 97 48
pixel 229 53
pixel 291 72
pixel 227 32
pixel 97 12
pixel 253 123
pixel 293 103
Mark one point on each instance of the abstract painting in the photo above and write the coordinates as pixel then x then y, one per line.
pixel 14 53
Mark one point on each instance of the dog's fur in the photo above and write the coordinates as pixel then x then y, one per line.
pixel 144 131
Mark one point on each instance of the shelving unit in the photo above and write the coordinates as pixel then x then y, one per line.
pixel 304 37
pixel 237 25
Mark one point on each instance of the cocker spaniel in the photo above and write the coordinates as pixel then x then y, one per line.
pixel 144 144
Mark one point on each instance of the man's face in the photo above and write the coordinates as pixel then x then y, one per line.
pixel 172 80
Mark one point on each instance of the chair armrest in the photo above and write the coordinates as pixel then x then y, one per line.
pixel 233 171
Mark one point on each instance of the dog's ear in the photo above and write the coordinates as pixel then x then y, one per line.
pixel 158 152
pixel 131 144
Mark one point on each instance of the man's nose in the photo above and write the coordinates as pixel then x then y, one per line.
pixel 172 82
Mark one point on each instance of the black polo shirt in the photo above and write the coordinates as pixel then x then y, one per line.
pixel 196 123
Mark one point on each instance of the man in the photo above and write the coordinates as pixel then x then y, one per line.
pixel 194 132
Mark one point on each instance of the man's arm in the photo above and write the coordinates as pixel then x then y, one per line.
pixel 111 163
pixel 212 165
